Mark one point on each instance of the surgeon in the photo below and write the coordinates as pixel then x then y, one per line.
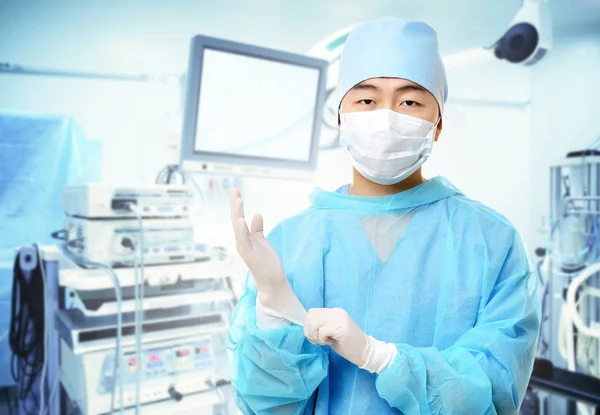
pixel 395 294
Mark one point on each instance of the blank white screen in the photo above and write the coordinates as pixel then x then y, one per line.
pixel 255 107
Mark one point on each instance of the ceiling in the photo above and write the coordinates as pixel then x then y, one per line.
pixel 574 15
pixel 77 34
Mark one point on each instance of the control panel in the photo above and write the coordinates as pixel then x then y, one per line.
pixel 160 363
pixel 168 369
pixel 166 372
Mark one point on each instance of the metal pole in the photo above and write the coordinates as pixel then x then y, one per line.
pixel 594 311
pixel 554 404
pixel 555 190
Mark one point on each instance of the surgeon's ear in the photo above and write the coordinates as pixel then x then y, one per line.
pixel 438 131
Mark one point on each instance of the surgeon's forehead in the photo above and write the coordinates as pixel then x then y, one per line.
pixel 388 83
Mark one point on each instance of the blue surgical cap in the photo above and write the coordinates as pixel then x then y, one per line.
pixel 393 48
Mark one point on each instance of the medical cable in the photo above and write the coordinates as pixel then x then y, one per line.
pixel 198 191
pixel 542 266
pixel 117 368
pixel 138 352
pixel 139 300
pixel 27 329
pixel 44 351
pixel 571 302
pixel 166 174
pixel 574 319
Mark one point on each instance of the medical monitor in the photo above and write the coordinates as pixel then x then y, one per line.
pixel 251 111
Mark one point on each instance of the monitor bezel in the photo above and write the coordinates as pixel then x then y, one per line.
pixel 188 153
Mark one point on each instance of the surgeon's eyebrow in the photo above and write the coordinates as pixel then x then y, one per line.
pixel 404 88
pixel 365 86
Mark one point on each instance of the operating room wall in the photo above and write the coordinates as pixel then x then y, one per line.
pixel 487 117
pixel 565 107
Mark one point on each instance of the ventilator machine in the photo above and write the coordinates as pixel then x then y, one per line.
pixel 566 378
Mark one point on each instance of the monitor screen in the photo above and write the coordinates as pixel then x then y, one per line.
pixel 255 107
pixel 251 110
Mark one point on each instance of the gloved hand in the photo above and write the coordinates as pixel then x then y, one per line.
pixel 275 295
pixel 334 327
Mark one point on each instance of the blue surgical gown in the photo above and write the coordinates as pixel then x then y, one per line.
pixel 443 277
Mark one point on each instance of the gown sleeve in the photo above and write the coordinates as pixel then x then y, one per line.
pixel 488 369
pixel 273 371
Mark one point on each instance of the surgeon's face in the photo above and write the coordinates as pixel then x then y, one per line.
pixel 400 95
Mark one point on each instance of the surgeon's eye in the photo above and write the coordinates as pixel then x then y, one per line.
pixel 410 103
pixel 366 101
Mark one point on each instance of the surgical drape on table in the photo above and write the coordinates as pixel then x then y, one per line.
pixel 38 155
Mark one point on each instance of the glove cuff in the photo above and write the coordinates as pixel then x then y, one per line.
pixel 268 319
pixel 284 306
pixel 378 355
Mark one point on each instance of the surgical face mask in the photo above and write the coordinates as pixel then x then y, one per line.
pixel 384 146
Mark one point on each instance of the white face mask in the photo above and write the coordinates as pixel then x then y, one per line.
pixel 384 146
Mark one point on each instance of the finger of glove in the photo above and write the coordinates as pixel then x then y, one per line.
pixel 234 194
pixel 233 197
pixel 330 333
pixel 237 215
pixel 257 226
pixel 311 332
pixel 236 208
pixel 244 241
pixel 315 319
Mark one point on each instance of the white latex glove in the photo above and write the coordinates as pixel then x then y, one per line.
pixel 275 295
pixel 334 327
